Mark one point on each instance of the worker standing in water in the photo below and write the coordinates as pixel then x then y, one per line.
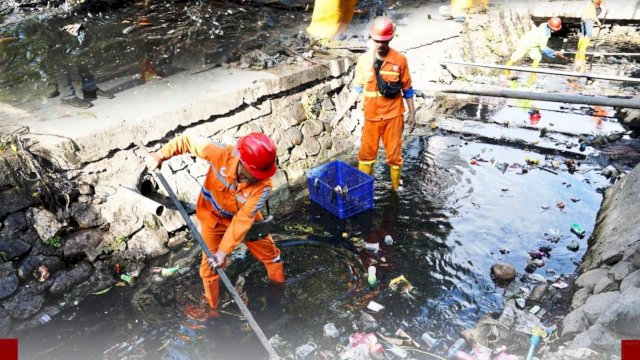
pixel 534 44
pixel 237 186
pixel 592 10
pixel 382 76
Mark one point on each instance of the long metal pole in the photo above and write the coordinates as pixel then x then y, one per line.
pixel 595 44
pixel 227 283
pixel 545 71
pixel 605 53
pixel 633 103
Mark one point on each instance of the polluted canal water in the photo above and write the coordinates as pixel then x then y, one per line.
pixel 468 201
pixel 450 223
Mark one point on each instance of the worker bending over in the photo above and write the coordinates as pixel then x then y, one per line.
pixel 534 43
pixel 236 188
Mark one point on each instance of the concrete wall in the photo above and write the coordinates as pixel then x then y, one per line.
pixel 605 305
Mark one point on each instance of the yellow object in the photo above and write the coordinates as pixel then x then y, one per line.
pixel 581 57
pixel 508 72
pixel 395 176
pixel 532 77
pixel 460 7
pixel 330 17
pixel 366 166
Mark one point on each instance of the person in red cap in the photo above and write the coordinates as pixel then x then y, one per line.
pixel 382 76
pixel 534 44
pixel 236 187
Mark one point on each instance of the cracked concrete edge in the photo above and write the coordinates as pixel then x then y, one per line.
pixel 221 111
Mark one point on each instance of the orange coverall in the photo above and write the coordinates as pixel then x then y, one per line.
pixel 383 117
pixel 227 209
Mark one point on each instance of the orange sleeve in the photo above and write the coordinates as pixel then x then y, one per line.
pixel 198 146
pixel 406 77
pixel 243 219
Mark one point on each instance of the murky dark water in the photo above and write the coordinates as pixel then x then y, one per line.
pixel 449 224
pixel 137 41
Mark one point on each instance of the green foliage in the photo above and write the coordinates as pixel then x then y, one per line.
pixel 54 242
pixel 3 256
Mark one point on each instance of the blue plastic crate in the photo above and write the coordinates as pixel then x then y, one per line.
pixel 357 189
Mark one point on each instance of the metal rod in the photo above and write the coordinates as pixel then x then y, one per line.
pixel 605 53
pixel 595 44
pixel 227 283
pixel 546 71
pixel 633 103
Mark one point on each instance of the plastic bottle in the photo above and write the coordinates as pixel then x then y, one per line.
pixel 388 240
pixel 457 346
pixel 127 278
pixel 430 341
pixel 331 331
pixel 371 276
pixel 577 229
pixel 168 272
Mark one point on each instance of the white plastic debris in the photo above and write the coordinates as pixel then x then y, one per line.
pixel 374 306
pixel 306 349
pixel 331 331
pixel 372 247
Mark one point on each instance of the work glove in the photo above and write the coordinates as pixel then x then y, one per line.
pixel 154 160
pixel 217 260
pixel 560 54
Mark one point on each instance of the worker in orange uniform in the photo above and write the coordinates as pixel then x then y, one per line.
pixel 382 76
pixel 236 188
pixel 592 10
pixel 534 44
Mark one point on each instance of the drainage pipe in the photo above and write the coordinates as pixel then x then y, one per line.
pixel 142 201
pixel 633 103
pixel 545 71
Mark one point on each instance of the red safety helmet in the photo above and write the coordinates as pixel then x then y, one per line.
pixel 382 29
pixel 597 2
pixel 555 23
pixel 258 154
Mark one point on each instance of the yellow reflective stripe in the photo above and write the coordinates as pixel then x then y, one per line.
pixel 389 72
pixel 371 94
pixel 367 162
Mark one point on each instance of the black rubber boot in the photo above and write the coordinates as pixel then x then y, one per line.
pixel 96 94
pixel 76 102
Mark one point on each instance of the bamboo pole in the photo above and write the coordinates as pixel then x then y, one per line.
pixel 546 71
pixel 633 103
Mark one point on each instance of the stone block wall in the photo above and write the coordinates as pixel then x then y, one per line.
pixel 605 306
pixel 50 259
